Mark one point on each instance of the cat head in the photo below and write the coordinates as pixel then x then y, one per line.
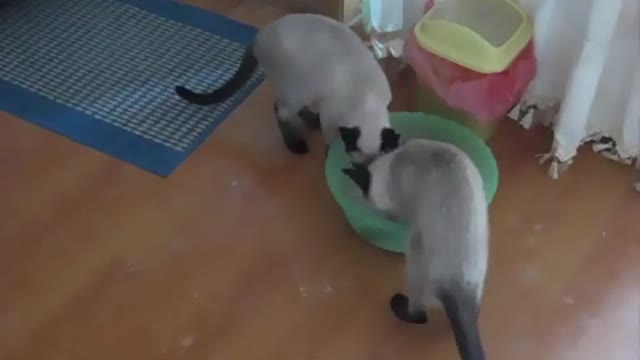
pixel 364 144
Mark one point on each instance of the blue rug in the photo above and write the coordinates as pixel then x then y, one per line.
pixel 103 72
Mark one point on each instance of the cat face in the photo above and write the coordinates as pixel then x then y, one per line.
pixel 363 146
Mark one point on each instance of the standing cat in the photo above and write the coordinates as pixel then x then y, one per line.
pixel 436 189
pixel 315 60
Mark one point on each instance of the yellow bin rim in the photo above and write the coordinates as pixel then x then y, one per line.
pixel 463 46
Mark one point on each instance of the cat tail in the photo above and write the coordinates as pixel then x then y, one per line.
pixel 246 69
pixel 462 309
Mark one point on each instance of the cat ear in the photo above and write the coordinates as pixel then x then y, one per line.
pixel 360 175
pixel 349 136
pixel 390 140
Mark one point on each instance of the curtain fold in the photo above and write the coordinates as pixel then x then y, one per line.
pixel 588 82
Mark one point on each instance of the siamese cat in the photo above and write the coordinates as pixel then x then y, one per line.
pixel 313 60
pixel 435 187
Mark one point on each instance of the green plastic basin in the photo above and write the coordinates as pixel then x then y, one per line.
pixel 371 224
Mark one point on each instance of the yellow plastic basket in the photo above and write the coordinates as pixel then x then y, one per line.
pixel 481 35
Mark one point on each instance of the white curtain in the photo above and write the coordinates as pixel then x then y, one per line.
pixel 588 81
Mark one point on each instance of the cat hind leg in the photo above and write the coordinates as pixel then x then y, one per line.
pixel 411 308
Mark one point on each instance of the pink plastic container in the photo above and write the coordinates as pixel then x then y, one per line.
pixel 483 97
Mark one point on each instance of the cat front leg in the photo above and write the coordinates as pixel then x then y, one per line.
pixel 310 119
pixel 330 134
pixel 286 115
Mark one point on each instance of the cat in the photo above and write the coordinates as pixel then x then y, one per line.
pixel 436 189
pixel 313 60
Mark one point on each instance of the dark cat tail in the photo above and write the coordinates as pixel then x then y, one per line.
pixel 247 67
pixel 462 310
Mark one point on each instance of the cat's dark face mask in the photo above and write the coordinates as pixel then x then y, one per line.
pixel 352 136
pixel 360 175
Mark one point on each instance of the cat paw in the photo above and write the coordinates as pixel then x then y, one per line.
pixel 298 146
pixel 400 307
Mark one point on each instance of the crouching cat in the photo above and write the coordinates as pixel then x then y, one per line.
pixel 313 60
pixel 436 189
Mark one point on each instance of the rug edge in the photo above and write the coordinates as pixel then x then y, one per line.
pixel 89 131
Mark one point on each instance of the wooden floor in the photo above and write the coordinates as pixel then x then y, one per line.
pixel 242 254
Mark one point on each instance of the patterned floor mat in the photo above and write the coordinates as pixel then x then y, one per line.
pixel 103 72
